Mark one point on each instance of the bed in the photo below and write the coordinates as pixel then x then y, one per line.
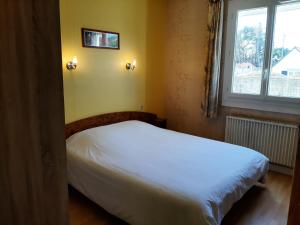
pixel 146 175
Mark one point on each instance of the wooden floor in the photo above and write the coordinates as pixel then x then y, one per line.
pixel 260 206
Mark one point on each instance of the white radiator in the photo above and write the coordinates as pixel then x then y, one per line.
pixel 275 140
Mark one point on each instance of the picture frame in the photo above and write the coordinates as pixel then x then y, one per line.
pixel 101 39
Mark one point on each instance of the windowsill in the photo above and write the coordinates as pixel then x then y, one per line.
pixel 263 105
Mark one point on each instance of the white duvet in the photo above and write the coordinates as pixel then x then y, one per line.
pixel 151 176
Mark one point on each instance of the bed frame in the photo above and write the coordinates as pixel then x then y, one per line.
pixel 110 118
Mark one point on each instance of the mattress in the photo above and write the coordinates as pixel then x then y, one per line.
pixel 146 175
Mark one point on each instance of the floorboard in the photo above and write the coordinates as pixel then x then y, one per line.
pixel 266 205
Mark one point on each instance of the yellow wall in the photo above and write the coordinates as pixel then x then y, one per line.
pixel 156 56
pixel 101 83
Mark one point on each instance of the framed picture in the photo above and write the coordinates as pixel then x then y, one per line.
pixel 100 39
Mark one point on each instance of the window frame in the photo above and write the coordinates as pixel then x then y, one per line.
pixel 263 101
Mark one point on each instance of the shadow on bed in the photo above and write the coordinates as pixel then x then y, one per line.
pixel 83 209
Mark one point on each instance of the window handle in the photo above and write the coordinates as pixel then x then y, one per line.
pixel 265 74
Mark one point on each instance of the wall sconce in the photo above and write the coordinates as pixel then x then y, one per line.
pixel 131 66
pixel 71 65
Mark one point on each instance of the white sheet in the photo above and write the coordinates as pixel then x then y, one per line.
pixel 151 176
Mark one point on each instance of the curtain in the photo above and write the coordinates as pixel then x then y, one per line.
pixel 213 68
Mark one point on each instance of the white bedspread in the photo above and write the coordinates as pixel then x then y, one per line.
pixel 151 176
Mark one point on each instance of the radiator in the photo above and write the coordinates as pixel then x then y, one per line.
pixel 275 140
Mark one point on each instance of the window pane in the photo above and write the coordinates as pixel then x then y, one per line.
pixel 284 79
pixel 249 51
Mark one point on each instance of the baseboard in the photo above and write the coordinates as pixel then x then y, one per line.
pixel 281 169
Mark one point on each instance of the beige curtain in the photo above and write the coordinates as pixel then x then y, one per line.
pixel 215 28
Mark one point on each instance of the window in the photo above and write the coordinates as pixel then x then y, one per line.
pixel 262 55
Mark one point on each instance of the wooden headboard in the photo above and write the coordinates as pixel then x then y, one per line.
pixel 109 118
